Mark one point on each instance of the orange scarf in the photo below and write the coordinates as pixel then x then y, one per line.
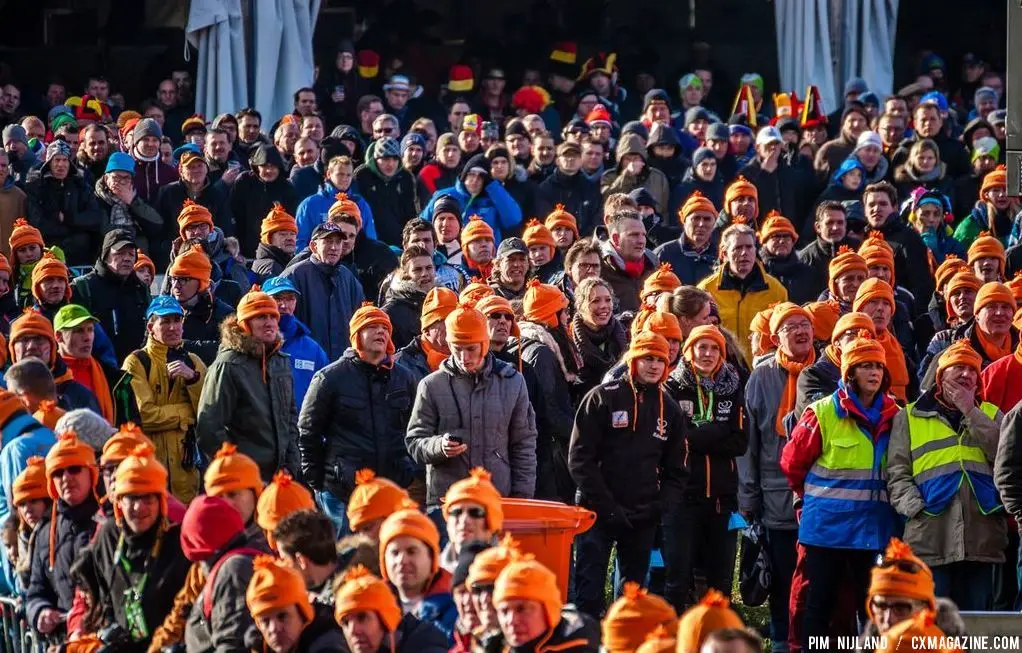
pixel 993 350
pixel 1018 352
pixel 896 366
pixel 833 355
pixel 792 367
pixel 95 380
pixel 433 356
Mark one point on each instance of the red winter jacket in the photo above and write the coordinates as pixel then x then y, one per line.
pixel 997 379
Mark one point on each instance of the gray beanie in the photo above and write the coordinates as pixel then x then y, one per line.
pixel 146 127
pixel 91 428
pixel 387 147
pixel 717 131
pixel 15 133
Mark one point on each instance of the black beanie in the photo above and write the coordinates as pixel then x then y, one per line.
pixel 465 557
pixel 447 204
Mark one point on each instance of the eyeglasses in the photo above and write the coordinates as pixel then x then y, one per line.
pixel 473 512
pixel 110 470
pixel 73 470
pixel 502 316
pixel 179 280
pixel 796 326
pixel 588 266
pixel 478 590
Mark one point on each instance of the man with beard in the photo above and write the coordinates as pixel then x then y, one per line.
pixel 830 226
pixel 190 285
pixel 510 268
pixel 407 292
pixel 94 152
pixel 277 243
pixel 778 239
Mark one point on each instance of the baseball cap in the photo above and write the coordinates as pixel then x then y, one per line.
pixel 70 316
pixel 325 229
pixel 276 285
pixel 512 246
pixel 162 305
pixel 768 135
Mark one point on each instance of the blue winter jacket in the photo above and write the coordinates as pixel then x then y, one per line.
pixel 330 296
pixel 313 209
pixel 306 356
pixel 23 437
pixel 494 204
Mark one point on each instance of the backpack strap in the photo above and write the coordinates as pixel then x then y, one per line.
pixel 207 591
pixel 143 357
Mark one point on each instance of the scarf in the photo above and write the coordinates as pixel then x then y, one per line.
pixel 792 367
pixel 991 349
pixel 833 355
pixel 433 356
pixel 89 373
pixel 120 215
pixel 896 366
pixel 634 269
pixel 1018 352
pixel 599 348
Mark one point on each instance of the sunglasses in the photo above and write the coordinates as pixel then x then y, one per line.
pixel 474 512
pixel 73 470
pixel 478 590
pixel 503 316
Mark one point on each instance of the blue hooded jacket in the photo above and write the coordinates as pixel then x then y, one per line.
pixel 849 164
pixel 494 205
pixel 313 209
pixel 306 356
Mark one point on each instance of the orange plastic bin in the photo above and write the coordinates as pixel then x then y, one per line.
pixel 546 530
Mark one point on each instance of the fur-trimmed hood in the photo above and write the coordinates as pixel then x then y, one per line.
pixel 233 337
pixel 537 332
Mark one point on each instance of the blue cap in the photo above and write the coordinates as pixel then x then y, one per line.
pixel 187 147
pixel 120 162
pixel 936 98
pixel 277 285
pixel 164 305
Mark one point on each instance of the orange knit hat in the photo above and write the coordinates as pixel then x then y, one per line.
pixel 740 187
pixel 411 523
pixel 704 332
pixel 360 591
pixel 31 483
pixel 495 303
pixel 853 320
pixel 633 616
pixel 648 343
pixel 901 574
pixel 775 224
pixel 996 177
pixel 477 488
pixel 49 413
pixel 5 264
pixel 993 291
pixel 966 279
pixel 542 303
pixel 193 264
pixel 696 203
pixel 760 324
pixel 825 315
pixel 437 306
pixel 192 213
pixel 373 498
pixel 487 565
pixel 987 246
pixel 663 279
pixel 275 586
pixel 559 217
pixel 951 265
pixel 528 580
pixel 49 267
pixel 120 445
pixel 960 353
pixel 25 234
pixel 664 324
pixel 33 323
pixel 10 405
pixel 875 251
pixel 846 261
pixel 661 640
pixel 711 614
pixel 255 303
pixel 536 233
pixel 475 290
pixel 230 471
pixel 69 451
pixel 345 206
pixel 141 473
pixel 365 316
pixel 864 349
pixel 143 262
pixel 475 230
pixel 783 312
pixel 276 220
pixel 871 289
pixel 467 326
pixel 280 498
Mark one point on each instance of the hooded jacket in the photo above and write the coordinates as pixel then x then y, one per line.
pixel 119 303
pixel 491 413
pixel 393 200
pixel 494 204
pixel 248 399
pixel 269 261
pixel 314 208
pixel 252 199
pixel 952 153
pixel 305 355
pixel 650 178
pixel 579 195
pixel 78 232
pixel 151 177
pixel 330 295
pixel 376 402
pixel 432 177
pixel 907 179
pixel 404 307
pixel 673 167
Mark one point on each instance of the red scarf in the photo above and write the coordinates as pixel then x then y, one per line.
pixel 634 269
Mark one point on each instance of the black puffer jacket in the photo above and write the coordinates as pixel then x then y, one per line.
pixel 202 325
pixel 801 281
pixel 79 231
pixel 910 254
pixel 393 201
pixel 371 261
pixel 119 303
pixel 270 261
pixel 413 359
pixel 716 439
pixel 579 195
pixel 376 402
pixel 816 382
pixel 556 374
pixel 252 199
pixel 51 587
pixel 818 255
pixel 214 196
pixel 404 306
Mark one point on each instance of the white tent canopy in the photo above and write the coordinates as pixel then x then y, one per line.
pixel 264 73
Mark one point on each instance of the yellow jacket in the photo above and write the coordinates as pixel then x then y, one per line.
pixel 737 308
pixel 166 407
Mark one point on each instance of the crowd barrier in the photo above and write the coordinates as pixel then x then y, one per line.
pixel 17 637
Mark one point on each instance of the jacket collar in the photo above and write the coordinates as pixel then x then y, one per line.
pixel 755 282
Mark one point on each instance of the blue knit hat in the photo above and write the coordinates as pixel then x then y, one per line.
pixel 412 138
pixel 120 162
